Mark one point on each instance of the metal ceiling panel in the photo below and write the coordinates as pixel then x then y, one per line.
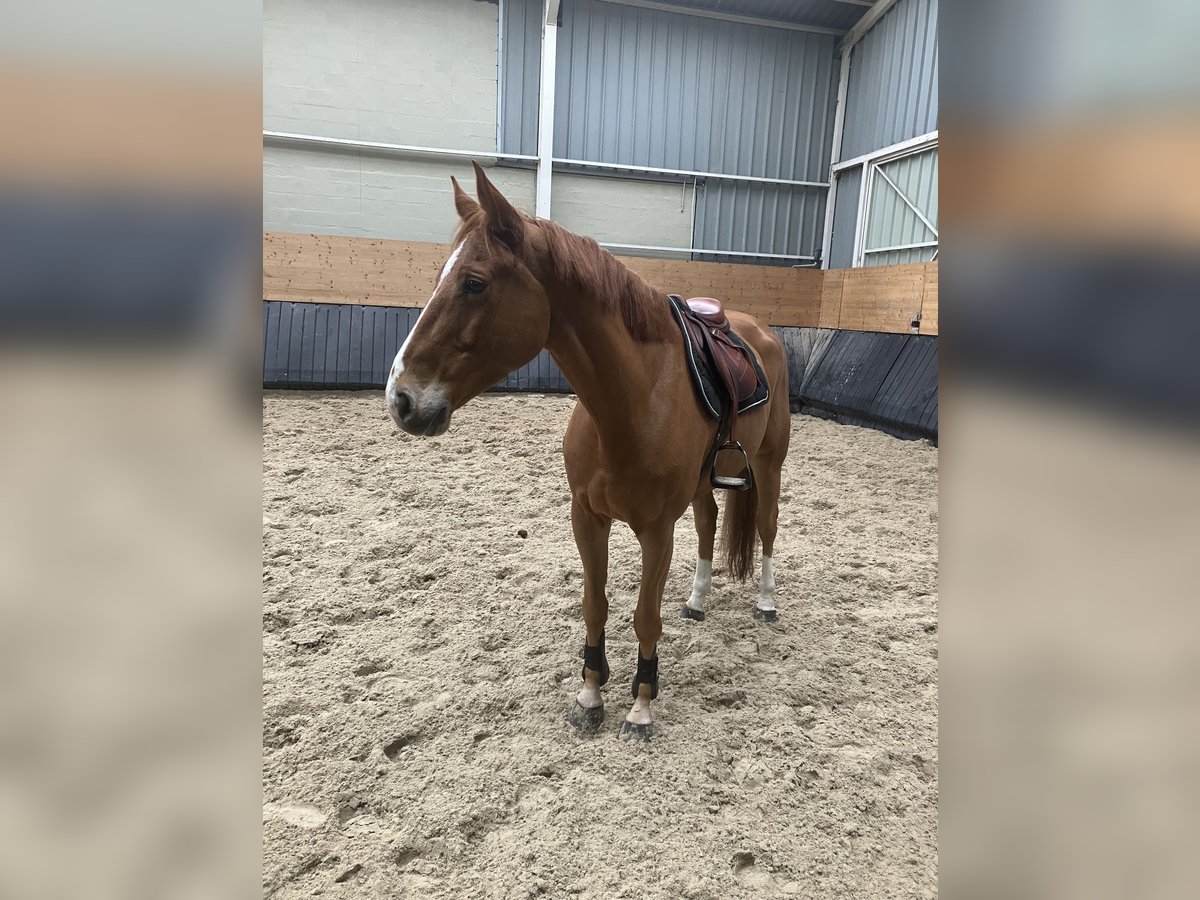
pixel 840 14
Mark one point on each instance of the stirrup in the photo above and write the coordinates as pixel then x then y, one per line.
pixel 742 482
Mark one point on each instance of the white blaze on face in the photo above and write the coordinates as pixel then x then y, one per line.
pixel 701 585
pixel 449 266
pixel 766 586
pixel 398 363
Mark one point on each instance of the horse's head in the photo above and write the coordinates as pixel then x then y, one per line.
pixel 487 315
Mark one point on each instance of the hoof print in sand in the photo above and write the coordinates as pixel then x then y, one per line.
pixel 742 860
pixel 392 750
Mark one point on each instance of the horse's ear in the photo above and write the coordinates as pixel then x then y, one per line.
pixel 503 219
pixel 463 201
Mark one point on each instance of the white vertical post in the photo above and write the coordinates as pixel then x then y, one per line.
pixel 500 11
pixel 835 155
pixel 864 212
pixel 545 141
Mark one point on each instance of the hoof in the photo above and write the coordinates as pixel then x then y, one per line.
pixel 631 732
pixel 585 718
pixel 688 613
pixel 765 615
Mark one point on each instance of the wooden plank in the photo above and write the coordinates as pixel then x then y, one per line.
pixel 883 298
pixel 929 301
pixel 310 268
pixel 778 296
pixel 831 298
pixel 319 268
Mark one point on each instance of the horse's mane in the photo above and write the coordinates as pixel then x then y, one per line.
pixel 582 263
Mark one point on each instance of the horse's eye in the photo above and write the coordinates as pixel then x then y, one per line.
pixel 473 286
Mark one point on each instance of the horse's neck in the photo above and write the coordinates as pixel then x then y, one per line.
pixel 613 374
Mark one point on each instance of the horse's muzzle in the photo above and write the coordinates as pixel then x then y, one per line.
pixel 424 417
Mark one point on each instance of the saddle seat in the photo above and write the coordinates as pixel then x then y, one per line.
pixel 710 310
pixel 737 359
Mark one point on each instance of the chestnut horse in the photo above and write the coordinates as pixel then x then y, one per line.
pixel 638 440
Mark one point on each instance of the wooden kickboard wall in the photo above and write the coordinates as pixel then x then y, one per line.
pixel 312 268
pixel 894 299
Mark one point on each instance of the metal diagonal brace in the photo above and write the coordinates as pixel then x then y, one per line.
pixel 920 215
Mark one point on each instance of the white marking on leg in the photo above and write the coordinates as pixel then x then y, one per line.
pixel 701 585
pixel 640 714
pixel 766 586
pixel 589 696
pixel 398 363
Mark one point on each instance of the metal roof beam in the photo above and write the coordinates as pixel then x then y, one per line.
pixel 870 17
pixel 902 148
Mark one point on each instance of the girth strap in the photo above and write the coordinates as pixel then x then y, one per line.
pixel 594 659
pixel 647 673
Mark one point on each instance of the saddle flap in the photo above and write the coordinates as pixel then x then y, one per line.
pixel 740 366
pixel 736 358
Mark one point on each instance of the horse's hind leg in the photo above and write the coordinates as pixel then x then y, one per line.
pixel 704 510
pixel 766 482
pixel 591 537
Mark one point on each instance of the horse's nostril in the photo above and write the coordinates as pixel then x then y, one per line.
pixel 403 404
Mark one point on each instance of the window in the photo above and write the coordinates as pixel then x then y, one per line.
pixel 898 210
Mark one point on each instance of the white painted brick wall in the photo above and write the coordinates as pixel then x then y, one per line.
pixel 400 71
pixel 623 211
pixel 412 72
pixel 372 195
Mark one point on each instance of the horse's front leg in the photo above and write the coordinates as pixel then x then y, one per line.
pixel 591 537
pixel 658 542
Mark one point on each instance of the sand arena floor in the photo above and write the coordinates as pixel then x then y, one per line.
pixel 421 639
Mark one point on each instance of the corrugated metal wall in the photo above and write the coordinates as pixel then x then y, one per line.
pixel 520 74
pixel 893 91
pixel 652 88
pixel 892 97
pixel 757 218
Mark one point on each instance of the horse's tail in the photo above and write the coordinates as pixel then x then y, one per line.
pixel 738 532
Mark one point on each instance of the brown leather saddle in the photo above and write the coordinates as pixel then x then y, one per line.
pixel 705 323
